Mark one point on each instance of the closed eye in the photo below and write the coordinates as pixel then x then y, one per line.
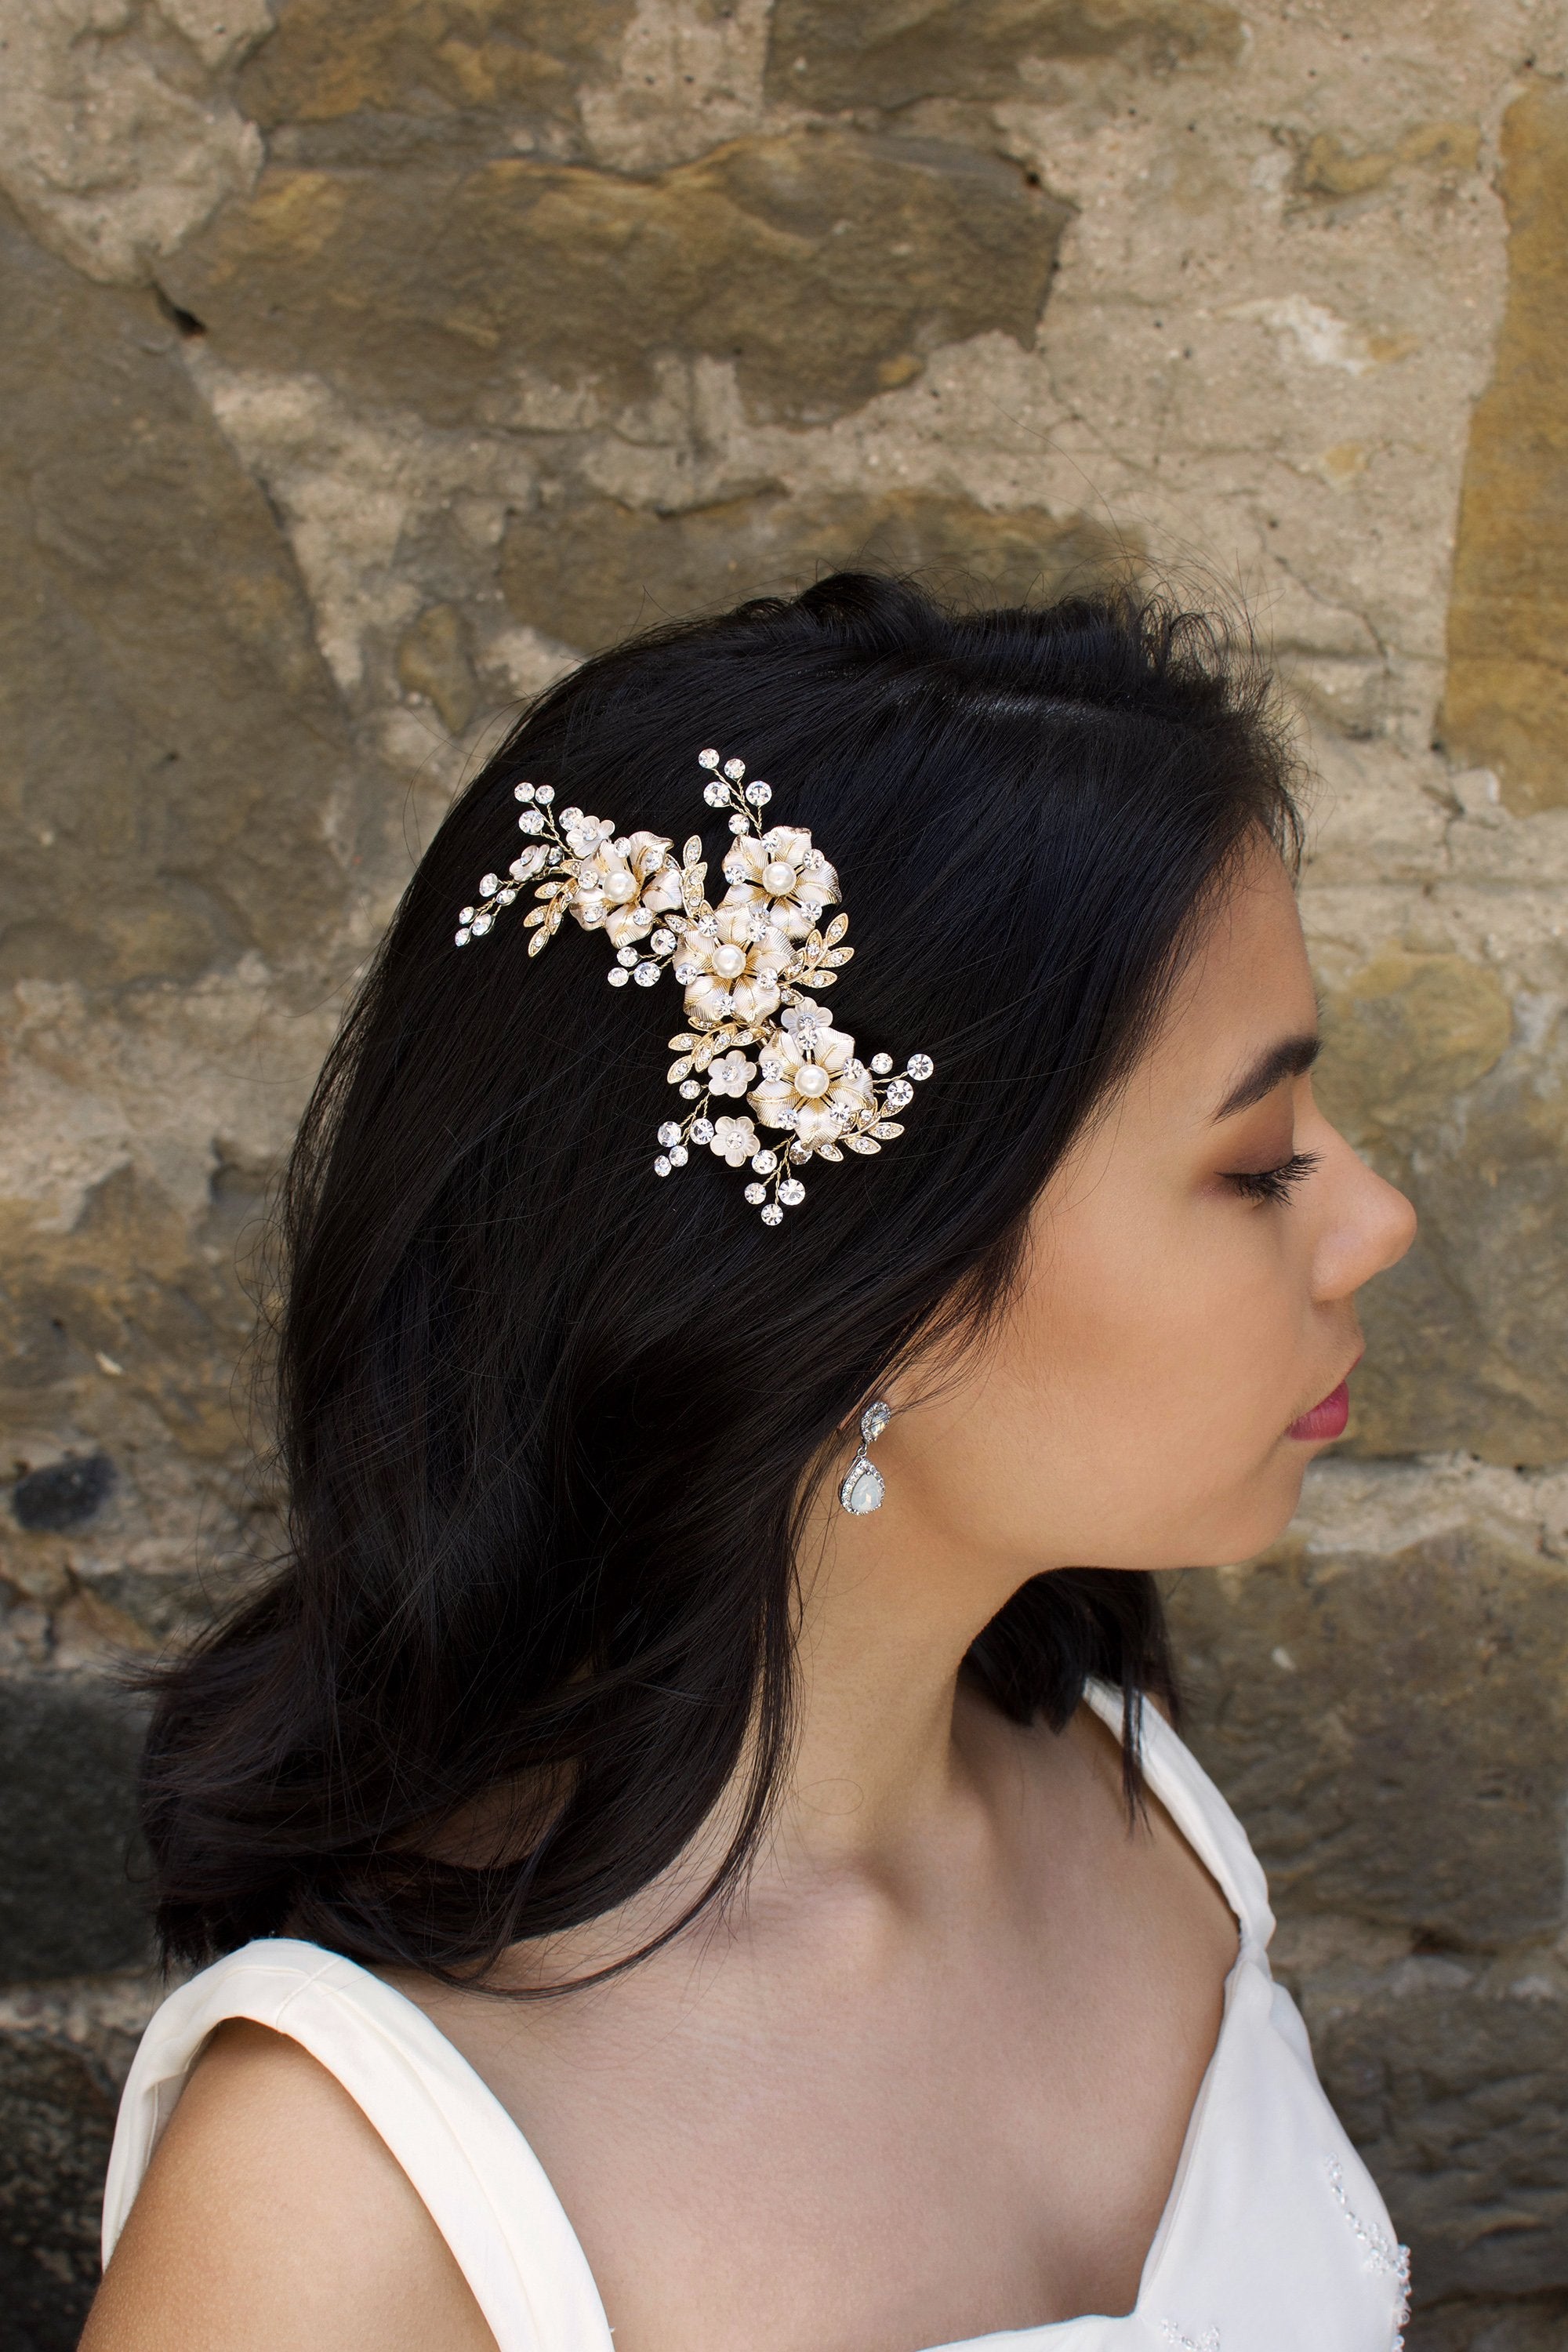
pixel 1274 1183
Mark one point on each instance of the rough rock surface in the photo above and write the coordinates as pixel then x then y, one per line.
pixel 368 363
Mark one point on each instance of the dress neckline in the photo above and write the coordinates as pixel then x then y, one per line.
pixel 1175 1778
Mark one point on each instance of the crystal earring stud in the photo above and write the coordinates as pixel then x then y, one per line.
pixel 864 1488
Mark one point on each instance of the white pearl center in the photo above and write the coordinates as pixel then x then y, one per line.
pixel 778 879
pixel 811 1078
pixel 729 962
pixel 620 886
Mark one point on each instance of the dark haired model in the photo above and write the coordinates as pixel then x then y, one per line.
pixel 649 1875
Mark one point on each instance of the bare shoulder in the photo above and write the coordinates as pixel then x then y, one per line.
pixel 273 2213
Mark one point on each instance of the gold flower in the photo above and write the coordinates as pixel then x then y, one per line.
pixel 729 965
pixel 782 877
pixel 624 886
pixel 811 1082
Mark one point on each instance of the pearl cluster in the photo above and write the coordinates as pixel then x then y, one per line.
pixel 744 965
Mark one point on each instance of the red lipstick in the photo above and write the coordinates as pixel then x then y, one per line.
pixel 1326 1419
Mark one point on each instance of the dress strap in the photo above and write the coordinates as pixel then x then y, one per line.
pixel 480 2181
pixel 1199 1811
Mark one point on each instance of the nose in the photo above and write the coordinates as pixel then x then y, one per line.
pixel 1368 1224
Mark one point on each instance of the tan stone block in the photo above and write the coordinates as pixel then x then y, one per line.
pixel 590 572
pixel 892 53
pixel 1407 1034
pixel 169 737
pixel 433 660
pixel 1506 706
pixel 824 264
pixel 1419 1072
pixel 1392 1728
pixel 407 73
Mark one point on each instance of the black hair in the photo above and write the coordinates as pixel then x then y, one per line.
pixel 547 1423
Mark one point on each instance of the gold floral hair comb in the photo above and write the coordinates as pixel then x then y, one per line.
pixel 745 966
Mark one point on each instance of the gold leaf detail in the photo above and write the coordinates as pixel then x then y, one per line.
pixel 861 1143
pixel 835 930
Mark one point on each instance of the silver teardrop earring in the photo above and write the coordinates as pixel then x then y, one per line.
pixel 863 1488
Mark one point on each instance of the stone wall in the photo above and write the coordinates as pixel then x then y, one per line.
pixel 367 362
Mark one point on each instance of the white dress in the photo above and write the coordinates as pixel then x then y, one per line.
pixel 1274 2239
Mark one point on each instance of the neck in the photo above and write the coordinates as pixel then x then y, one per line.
pixel 884 1736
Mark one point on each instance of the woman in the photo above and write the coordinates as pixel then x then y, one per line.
pixel 693 1856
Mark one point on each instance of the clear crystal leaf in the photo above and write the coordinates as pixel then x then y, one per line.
pixel 535 914
pixel 678 1070
pixel 539 939
pixel 828 1151
pixel 682 1042
pixel 861 1143
pixel 835 930
pixel 887 1129
pixel 840 955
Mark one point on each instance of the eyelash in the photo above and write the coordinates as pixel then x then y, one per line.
pixel 1275 1183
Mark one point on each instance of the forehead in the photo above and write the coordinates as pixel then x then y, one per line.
pixel 1247 986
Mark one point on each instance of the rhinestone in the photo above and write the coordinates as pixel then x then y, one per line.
pixel 466 914
pixel 772 1069
pixel 920 1065
pixel 677 1155
pixel 628 956
pixel 462 939
pixel 773 1214
pixel 662 942
pixel 702 1131
pixel 688 1087
pixel 687 972
pixel 734 769
pixel 567 817
pixel 874 1421
pixel 759 794
pixel 716 794
pixel 490 884
pixel 886 1128
pixel 544 795
pixel 881 1063
pixel 646 974
pixel 898 1094
pixel 708 928
pixel 764 1162
pixel 530 822
pixel 506 898
pixel 661 1166
pixel 669 1132
pixel 792 1191
pixel 737 823
pixel 756 1194
pixel 800 1151
pixel 708 759
pixel 617 976
pixel 522 792
pixel 734 871
pixel 481 924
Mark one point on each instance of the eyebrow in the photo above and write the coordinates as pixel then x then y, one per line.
pixel 1291 1059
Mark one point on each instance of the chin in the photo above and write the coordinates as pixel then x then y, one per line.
pixel 1259 1519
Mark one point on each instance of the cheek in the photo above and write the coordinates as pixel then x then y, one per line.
pixel 1132 1411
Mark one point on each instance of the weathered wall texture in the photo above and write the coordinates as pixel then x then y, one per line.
pixel 366 361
